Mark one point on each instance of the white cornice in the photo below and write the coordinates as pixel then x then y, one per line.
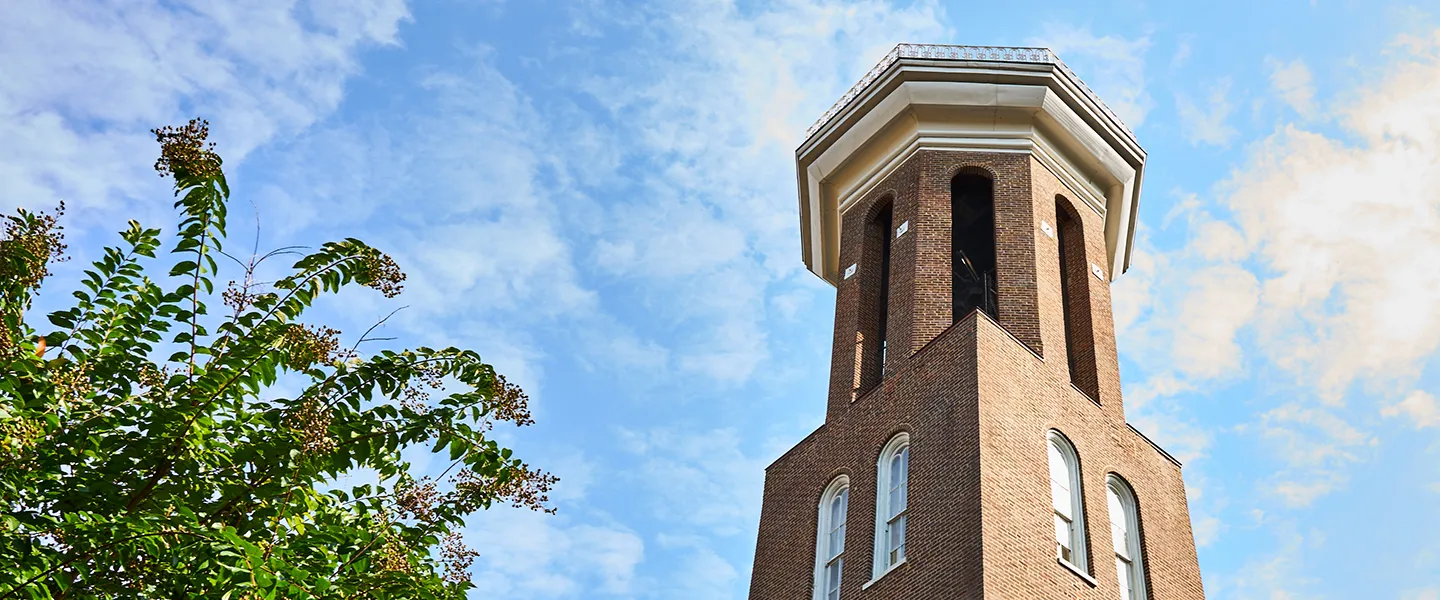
pixel 972 106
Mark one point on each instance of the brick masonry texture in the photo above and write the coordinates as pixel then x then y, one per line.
pixel 977 398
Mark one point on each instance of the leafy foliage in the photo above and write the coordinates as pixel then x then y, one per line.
pixel 126 476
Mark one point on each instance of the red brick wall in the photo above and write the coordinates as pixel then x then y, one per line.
pixel 977 398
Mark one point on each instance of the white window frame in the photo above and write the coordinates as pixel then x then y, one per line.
pixel 1117 491
pixel 1076 520
pixel 883 517
pixel 824 554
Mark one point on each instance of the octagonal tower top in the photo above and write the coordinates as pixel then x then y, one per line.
pixel 970 98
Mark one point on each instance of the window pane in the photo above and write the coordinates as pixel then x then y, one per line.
pixel 1062 538
pixel 1060 483
pixel 1122 574
pixel 1058 470
pixel 897 540
pixel 1060 498
pixel 1120 526
pixel 1117 539
pixel 904 479
pixel 832 579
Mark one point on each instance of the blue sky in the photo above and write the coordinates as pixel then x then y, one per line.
pixel 599 196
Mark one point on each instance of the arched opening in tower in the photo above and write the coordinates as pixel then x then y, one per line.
pixel 1075 299
pixel 972 244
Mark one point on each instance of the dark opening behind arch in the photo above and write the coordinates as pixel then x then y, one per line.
pixel 874 297
pixel 1075 299
pixel 972 244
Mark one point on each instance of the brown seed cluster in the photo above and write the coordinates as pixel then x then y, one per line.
pixel 393 556
pixel 311 420
pixel 17 437
pixel 305 346
pixel 510 402
pixel 457 558
pixel 31 242
pixel 428 376
pixel 72 382
pixel 238 296
pixel 522 486
pixel 184 152
pixel 152 378
pixel 417 499
pixel 380 272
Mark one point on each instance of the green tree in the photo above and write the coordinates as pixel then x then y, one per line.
pixel 145 453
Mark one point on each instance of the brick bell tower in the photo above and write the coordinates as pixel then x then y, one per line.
pixel 971 206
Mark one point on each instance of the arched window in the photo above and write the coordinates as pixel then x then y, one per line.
pixel 972 244
pixel 1075 299
pixel 1066 499
pixel 830 542
pixel 1125 537
pixel 892 503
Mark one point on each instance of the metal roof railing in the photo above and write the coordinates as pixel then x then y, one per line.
pixel 953 52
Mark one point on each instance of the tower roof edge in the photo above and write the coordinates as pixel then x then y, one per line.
pixel 981 98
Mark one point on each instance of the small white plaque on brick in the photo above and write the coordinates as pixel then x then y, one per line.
pixel 849 271
pixel 1099 274
pixel 904 227
pixel 1045 227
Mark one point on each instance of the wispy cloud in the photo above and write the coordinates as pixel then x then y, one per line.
pixel 1292 81
pixel 1419 408
pixel 1113 65
pixel 1205 121
pixel 1318 448
pixel 720 94
pixel 1278 576
pixel 530 555
pixel 84 82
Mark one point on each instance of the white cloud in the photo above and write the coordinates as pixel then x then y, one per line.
pixel 701 573
pixel 1317 446
pixel 1207 529
pixel 715 98
pixel 1221 299
pixel 1419 408
pixel 530 555
pixel 1352 234
pixel 1206 124
pixel 257 70
pixel 703 480
pixel 1430 593
pixel 1113 66
pixel 1293 82
pixel 1182 51
pixel 1321 250
pixel 1275 577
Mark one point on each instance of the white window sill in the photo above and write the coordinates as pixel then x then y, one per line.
pixel 887 572
pixel 1076 570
